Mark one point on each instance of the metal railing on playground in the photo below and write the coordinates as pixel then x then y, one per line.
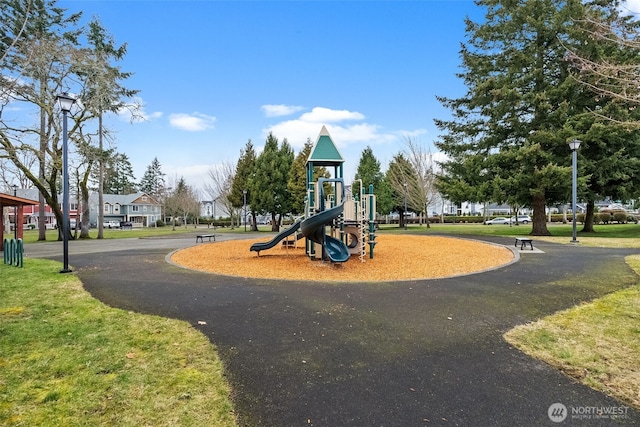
pixel 13 252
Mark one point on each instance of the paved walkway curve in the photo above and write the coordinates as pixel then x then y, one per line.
pixel 374 354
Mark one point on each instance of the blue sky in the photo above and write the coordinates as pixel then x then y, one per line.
pixel 214 74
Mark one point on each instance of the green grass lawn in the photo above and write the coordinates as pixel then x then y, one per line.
pixel 68 359
pixel 598 343
pixel 561 231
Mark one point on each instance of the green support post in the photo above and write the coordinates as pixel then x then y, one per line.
pixel 372 223
pixel 13 252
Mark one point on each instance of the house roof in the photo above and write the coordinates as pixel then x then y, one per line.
pixel 324 151
pixel 121 199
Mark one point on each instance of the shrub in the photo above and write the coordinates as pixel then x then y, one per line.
pixel 159 223
pixel 580 218
pixel 605 217
pixel 620 217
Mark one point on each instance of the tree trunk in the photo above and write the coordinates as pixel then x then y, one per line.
pixel 539 216
pixel 86 210
pixel 274 223
pixel 42 159
pixel 100 181
pixel 254 223
pixel 588 218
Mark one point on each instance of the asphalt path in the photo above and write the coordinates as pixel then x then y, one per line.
pixel 406 353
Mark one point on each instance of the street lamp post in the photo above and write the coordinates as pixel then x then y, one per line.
pixel 574 145
pixel 66 102
pixel 15 213
pixel 404 214
pixel 244 205
pixel 214 215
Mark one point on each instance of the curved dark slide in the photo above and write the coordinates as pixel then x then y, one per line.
pixel 271 243
pixel 313 229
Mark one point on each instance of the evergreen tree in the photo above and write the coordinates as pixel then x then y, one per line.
pixel 240 189
pixel 368 172
pixel 153 181
pixel 119 178
pixel 286 156
pixel 297 184
pixel 609 156
pixel 269 185
pixel 103 92
pixel 517 102
pixel 14 16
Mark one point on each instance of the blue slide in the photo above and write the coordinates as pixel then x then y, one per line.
pixel 313 229
pixel 271 243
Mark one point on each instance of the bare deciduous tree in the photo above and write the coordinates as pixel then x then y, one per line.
pixel 615 77
pixel 219 187
pixel 421 190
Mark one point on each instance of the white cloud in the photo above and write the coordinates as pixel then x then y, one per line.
pixel 326 115
pixel 279 110
pixel 412 133
pixel 195 122
pixel 308 126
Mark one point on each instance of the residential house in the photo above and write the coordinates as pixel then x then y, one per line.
pixel 141 209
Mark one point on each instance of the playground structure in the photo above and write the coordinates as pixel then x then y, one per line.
pixel 350 219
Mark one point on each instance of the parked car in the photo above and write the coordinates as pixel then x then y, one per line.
pixel 110 224
pixel 522 219
pixel 126 224
pixel 498 220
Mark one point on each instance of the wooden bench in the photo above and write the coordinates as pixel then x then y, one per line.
pixel 523 241
pixel 200 237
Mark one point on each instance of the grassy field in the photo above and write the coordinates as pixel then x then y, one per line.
pixel 69 360
pixel 597 343
pixel 610 235
pixel 67 357
pixel 31 236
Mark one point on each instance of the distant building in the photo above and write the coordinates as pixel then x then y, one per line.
pixel 141 209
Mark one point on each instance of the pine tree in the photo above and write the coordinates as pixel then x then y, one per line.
pixel 297 184
pixel 119 178
pixel 517 102
pixel 153 181
pixel 240 189
pixel 368 171
pixel 609 156
pixel 269 185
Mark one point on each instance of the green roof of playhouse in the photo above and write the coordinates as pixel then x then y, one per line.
pixel 324 151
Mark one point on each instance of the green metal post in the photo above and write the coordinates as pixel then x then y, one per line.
pixel 372 223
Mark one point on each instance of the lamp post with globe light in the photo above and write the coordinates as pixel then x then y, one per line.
pixel 404 214
pixel 574 145
pixel 66 102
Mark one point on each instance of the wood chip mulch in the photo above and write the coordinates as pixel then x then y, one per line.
pixel 396 257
